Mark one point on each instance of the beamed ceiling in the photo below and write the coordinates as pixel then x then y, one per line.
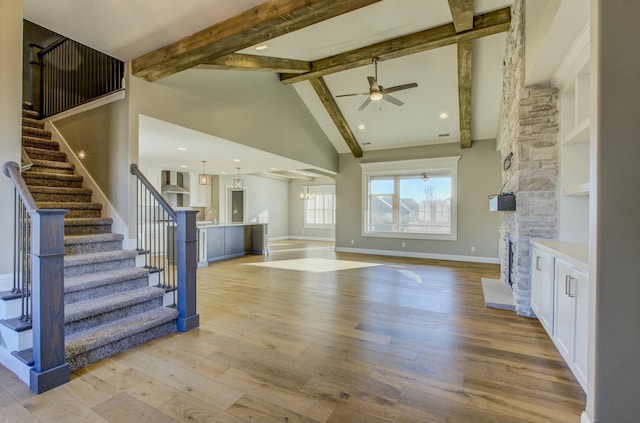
pixel 217 47
pixel 452 49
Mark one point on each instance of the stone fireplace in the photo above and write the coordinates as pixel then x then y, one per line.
pixel 529 131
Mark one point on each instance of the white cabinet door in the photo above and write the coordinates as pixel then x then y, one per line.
pixel 581 344
pixel 564 316
pixel 571 320
pixel 542 290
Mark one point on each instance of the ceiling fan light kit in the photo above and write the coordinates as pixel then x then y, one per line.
pixel 378 92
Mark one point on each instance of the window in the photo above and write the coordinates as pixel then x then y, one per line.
pixel 319 206
pixel 411 198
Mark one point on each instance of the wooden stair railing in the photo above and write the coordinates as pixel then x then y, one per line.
pixel 39 276
pixel 169 240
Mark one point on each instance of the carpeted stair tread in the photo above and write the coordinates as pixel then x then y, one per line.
pixel 45 154
pixel 32 123
pixel 51 164
pixel 61 194
pixel 86 221
pixel 35 142
pixel 76 209
pixel 43 179
pixel 87 225
pixel 36 132
pixel 90 239
pixel 95 258
pixel 86 309
pixel 31 114
pixel 90 339
pixel 59 190
pixel 93 280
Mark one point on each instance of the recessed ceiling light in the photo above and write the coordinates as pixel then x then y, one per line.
pixel 262 47
pixel 362 127
pixel 274 168
pixel 444 115
pixel 182 149
pixel 223 172
pixel 236 160
pixel 183 166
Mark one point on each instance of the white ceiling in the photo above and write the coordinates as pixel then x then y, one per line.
pixel 129 28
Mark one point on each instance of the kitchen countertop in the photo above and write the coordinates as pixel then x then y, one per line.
pixel 574 252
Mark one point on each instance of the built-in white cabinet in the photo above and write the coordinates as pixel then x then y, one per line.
pixel 199 195
pixel 571 322
pixel 542 287
pixel 559 297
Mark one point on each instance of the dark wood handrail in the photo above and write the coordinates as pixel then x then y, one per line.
pixel 12 171
pixel 159 198
pixel 51 46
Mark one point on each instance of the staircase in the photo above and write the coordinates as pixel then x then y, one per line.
pixel 109 303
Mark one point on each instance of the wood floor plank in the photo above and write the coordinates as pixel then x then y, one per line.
pixel 125 408
pixel 409 340
pixel 186 408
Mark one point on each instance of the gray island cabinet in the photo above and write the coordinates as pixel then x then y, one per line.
pixel 219 242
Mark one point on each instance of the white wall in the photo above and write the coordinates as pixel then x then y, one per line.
pixel 10 116
pixel 249 108
pixel 267 200
pixel 615 225
pixel 478 177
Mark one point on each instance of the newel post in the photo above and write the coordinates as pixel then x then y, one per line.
pixel 187 257
pixel 47 263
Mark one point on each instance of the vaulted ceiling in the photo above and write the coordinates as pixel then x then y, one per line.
pixel 452 49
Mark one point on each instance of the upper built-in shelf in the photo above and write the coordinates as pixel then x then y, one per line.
pixel 579 134
pixel 578 190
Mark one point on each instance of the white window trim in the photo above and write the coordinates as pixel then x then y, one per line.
pixel 409 166
pixel 305 225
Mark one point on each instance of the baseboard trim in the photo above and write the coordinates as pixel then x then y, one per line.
pixel 99 102
pixel 586 418
pixel 309 238
pixel 411 254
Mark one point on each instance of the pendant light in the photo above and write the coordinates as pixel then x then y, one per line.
pixel 203 178
pixel 238 183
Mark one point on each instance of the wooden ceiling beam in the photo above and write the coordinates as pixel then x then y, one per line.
pixel 320 86
pixel 485 24
pixel 464 92
pixel 250 62
pixel 257 25
pixel 462 14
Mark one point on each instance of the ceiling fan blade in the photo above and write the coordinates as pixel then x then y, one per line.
pixel 365 104
pixel 393 100
pixel 400 87
pixel 351 95
pixel 373 83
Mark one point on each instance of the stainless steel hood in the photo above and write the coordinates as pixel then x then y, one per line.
pixel 172 187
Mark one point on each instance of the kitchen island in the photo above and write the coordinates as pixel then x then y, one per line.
pixel 223 241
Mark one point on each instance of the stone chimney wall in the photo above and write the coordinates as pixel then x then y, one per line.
pixel 529 132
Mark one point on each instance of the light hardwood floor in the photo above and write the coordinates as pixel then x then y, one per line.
pixel 406 341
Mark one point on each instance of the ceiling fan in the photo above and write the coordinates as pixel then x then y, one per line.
pixel 378 92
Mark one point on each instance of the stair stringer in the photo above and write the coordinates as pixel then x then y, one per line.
pixel 119 225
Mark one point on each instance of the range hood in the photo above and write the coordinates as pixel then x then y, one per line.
pixel 172 187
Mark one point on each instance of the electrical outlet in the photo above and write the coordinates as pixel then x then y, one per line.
pixel 351 242
pixel 404 245
pixel 473 248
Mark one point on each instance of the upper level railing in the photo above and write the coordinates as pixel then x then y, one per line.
pixel 168 238
pixel 67 74
pixel 39 280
